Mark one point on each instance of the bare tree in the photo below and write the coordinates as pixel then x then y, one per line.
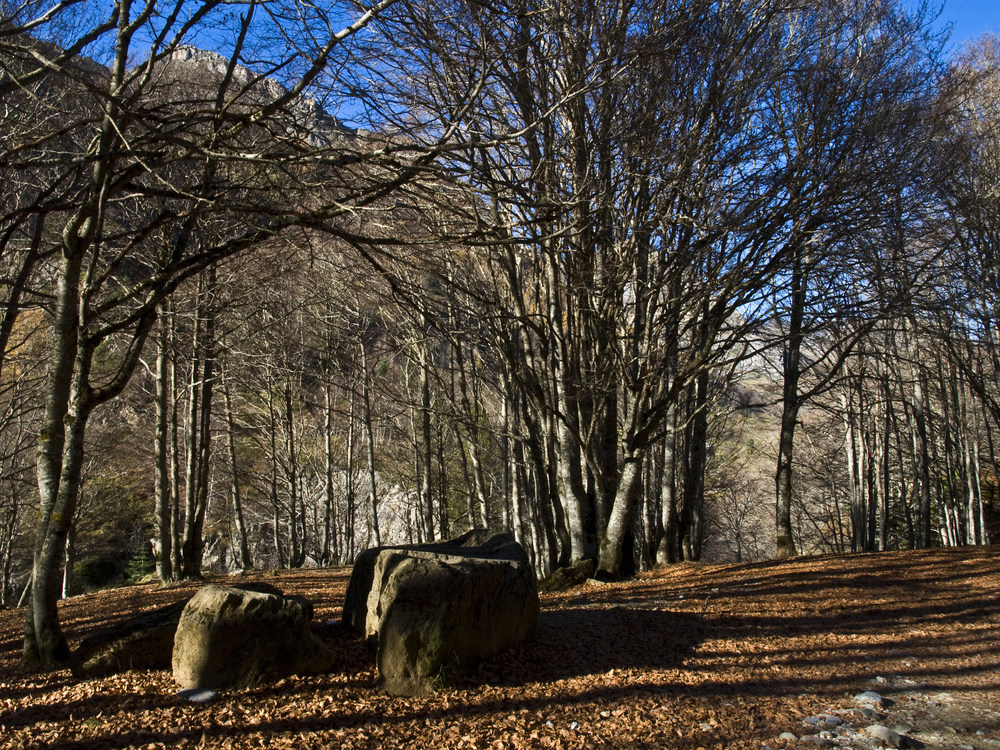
pixel 192 158
pixel 857 130
pixel 639 178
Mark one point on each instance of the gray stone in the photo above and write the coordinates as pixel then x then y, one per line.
pixel 813 739
pixel 870 698
pixel 569 576
pixel 882 734
pixel 194 695
pixel 235 638
pixel 433 613
pixel 145 641
pixel 824 721
pixel 788 737
pixel 355 610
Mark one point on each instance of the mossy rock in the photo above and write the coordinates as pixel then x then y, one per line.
pixel 567 577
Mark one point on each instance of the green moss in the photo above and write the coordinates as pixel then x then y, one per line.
pixel 448 676
pixel 429 656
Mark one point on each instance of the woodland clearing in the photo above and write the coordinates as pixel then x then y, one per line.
pixel 686 656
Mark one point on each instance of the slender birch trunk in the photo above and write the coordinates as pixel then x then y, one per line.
pixel 161 477
pixel 370 445
pixel 330 546
pixel 246 560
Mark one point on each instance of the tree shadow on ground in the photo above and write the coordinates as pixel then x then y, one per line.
pixel 578 641
pixel 571 642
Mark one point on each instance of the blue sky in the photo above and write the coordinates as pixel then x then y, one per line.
pixel 970 18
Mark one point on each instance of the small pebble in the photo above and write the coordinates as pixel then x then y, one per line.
pixel 824 721
pixel 870 698
pixel 198 695
pixel 788 736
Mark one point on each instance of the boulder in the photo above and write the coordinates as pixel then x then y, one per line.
pixel 236 638
pixel 435 610
pixel 142 642
pixel 355 612
pixel 567 577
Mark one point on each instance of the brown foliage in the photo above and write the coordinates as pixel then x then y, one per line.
pixel 688 656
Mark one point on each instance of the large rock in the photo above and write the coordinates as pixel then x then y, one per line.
pixel 234 638
pixel 477 542
pixel 568 576
pixel 434 610
pixel 145 641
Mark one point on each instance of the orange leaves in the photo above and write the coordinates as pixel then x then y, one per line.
pixel 631 667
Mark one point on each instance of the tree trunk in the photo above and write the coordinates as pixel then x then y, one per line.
pixel 667 551
pixel 784 540
pixel 570 482
pixel 199 432
pixel 176 560
pixel 370 444
pixel 330 550
pixel 246 561
pixel 921 457
pixel 161 476
pixel 58 466
pixel 297 541
pixel 853 471
pixel 68 566
pixel 426 445
pixel 690 517
pixel 279 547
pixel 471 415
pixel 45 643
pixel 350 501
pixel 192 441
pixel 444 520
pixel 609 563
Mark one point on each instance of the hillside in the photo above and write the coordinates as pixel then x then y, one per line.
pixel 690 656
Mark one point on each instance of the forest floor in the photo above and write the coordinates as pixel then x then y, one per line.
pixel 688 656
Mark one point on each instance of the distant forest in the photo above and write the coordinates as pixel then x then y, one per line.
pixel 638 281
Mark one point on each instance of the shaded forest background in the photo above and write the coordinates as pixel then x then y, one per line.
pixel 640 283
